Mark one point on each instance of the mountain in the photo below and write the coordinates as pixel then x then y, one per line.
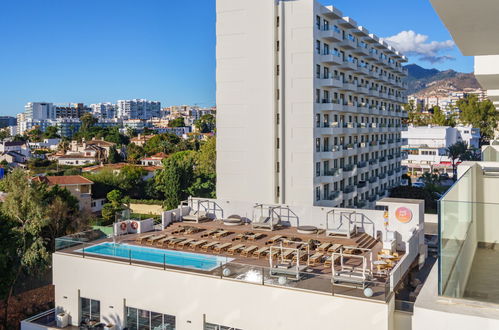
pixel 426 82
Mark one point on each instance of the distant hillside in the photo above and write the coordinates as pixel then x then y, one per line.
pixel 423 81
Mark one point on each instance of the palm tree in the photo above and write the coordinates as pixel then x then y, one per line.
pixel 457 152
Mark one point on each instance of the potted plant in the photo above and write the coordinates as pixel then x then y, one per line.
pixel 62 320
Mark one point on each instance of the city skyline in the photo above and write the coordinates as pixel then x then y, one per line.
pixel 106 58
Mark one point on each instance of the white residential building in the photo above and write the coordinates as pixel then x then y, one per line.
pixel 426 146
pixel 309 105
pixel 40 111
pixel 138 109
pixel 104 110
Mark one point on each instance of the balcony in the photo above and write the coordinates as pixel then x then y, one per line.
pixel 382 159
pixel 333 196
pixel 381 194
pixel 331 81
pixel 362 165
pixel 390 157
pixel 348 65
pixel 348 43
pixel 331 34
pixel 363 89
pixel 373 162
pixel 349 190
pixel 360 204
pixel 373 179
pixel 330 57
pixel 391 172
pixel 372 199
pixel 348 168
pixel 331 172
pixel 362 184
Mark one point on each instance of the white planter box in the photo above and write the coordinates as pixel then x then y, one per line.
pixel 62 320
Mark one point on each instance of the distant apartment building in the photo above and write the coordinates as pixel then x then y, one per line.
pixel 39 111
pixel 104 110
pixel 426 147
pixel 309 106
pixel 138 109
pixel 75 110
pixel 6 121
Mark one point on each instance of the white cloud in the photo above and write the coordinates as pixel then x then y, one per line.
pixel 411 43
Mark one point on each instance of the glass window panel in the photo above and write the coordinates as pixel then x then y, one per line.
pixel 85 309
pixel 144 318
pixel 95 310
pixel 169 321
pixel 156 321
pixel 131 319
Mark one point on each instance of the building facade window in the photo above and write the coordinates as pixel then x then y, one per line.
pixel 138 319
pixel 90 310
pixel 212 326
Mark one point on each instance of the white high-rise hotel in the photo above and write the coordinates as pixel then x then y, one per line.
pixel 308 105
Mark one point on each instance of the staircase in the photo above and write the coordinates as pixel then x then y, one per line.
pixel 366 241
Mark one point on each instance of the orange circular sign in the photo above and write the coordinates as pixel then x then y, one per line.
pixel 403 214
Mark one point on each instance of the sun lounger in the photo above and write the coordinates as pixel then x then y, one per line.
pixel 185 243
pixel 154 239
pixel 303 256
pixel 192 230
pixel 164 241
pixel 239 237
pixel 334 248
pixel 196 216
pixel 275 253
pixel 198 244
pixel 173 243
pixel 323 247
pixel 235 249
pixel 180 230
pixel 222 233
pixel 256 237
pixel 210 233
pixel 261 252
pixel 329 260
pixel 222 247
pixel 288 254
pixel 249 250
pixel 316 259
pixel 274 239
pixel 209 246
pixel 140 239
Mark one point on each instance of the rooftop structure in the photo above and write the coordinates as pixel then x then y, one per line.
pixel 304 101
pixel 239 256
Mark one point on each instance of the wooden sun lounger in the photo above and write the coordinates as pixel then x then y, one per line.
pixel 222 247
pixel 197 244
pixel 154 239
pixel 185 243
pixel 288 255
pixel 140 239
pixel 329 260
pixel 239 237
pixel 222 233
pixel 209 246
pixel 192 230
pixel 274 239
pixel 334 248
pixel 173 243
pixel 303 256
pixel 275 254
pixel 261 252
pixel 256 237
pixel 164 241
pixel 235 249
pixel 180 230
pixel 249 250
pixel 316 259
pixel 211 232
pixel 324 246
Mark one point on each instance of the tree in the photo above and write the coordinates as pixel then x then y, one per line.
pixel 457 152
pixel 206 160
pixel 51 132
pixel 206 123
pixel 438 118
pixel 113 135
pixel 114 156
pixel 479 114
pixel 4 134
pixel 116 203
pixel 25 214
pixel 87 122
pixel 416 193
pixel 130 178
pixel 35 135
pixel 415 114
pixel 166 143
pixel 134 153
pixel 177 122
pixel 176 178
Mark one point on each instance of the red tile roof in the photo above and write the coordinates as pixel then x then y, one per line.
pixel 63 180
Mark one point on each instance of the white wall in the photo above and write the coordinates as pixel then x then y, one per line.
pixel 189 297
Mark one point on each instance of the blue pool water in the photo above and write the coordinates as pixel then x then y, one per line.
pixel 169 257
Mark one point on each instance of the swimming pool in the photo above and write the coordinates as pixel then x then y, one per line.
pixel 157 256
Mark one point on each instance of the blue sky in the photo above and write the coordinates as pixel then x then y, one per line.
pixel 103 50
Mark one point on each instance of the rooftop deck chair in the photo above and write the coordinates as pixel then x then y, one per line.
pixel 323 247
pixel 303 256
pixel 197 244
pixel 261 252
pixel 173 243
pixel 140 239
pixel 185 243
pixel 288 254
pixel 222 233
pixel 275 253
pixel 329 260
pixel 235 249
pixel 210 232
pixel 274 239
pixel 196 216
pixel 209 246
pixel 180 230
pixel 154 239
pixel 249 251
pixel 316 259
pixel 256 237
pixel 239 237
pixel 334 248
pixel 222 247
pixel 164 241
pixel 192 230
